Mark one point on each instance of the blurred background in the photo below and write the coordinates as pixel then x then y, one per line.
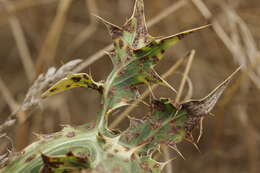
pixel 38 34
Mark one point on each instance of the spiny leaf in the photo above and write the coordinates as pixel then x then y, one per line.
pixel 121 86
pixel 165 125
pixel 135 68
pixel 73 81
pixel 170 124
pixel 134 36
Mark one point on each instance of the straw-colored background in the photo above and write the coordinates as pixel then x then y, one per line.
pixel 38 34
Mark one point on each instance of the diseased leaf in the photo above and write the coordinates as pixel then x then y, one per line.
pixel 67 163
pixel 156 48
pixel 134 56
pixel 165 125
pixel 73 81
pixel 170 123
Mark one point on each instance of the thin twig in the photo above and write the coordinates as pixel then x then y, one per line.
pixel 167 157
pixel 166 12
pixel 49 47
pixel 22 5
pixel 7 96
pixel 20 41
pixel 241 53
pixel 99 54
pixel 190 89
pixel 88 31
pixel 185 76
pixel 236 85
pixel 13 105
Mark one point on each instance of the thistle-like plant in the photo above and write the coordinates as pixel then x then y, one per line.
pixel 95 148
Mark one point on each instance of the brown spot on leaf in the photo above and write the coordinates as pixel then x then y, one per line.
pixel 162 41
pixel 151 44
pixel 85 76
pixel 126 160
pixel 31 157
pixel 138 51
pixel 76 79
pixel 144 59
pixel 70 134
pixel 116 33
pixel 90 126
pixel 53 89
pixel 128 26
pixel 156 166
pixel 155 125
pixel 121 44
pixel 162 51
pixel 70 154
pixel 47 168
pixel 109 155
pixel 145 166
pixel 155 58
pixel 83 160
pixel 158 105
pixel 129 51
pixel 133 157
pixel 181 36
pixel 111 94
pixel 135 43
pixel 47 136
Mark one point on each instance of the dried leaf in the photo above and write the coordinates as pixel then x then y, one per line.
pixel 204 106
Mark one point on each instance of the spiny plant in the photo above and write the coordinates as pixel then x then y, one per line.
pixel 94 147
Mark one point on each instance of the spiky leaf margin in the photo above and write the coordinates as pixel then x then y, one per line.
pixel 134 55
pixel 170 122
